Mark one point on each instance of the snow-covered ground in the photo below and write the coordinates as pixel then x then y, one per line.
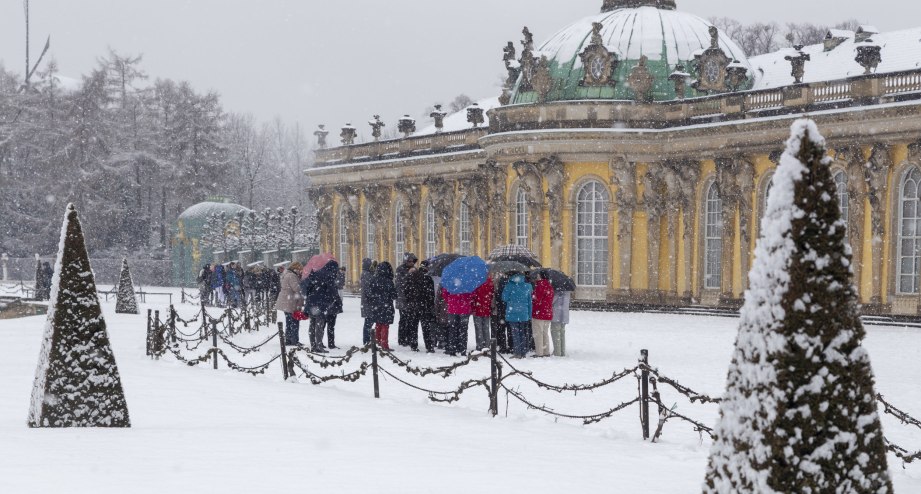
pixel 196 429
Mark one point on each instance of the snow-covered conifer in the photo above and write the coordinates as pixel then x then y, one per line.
pixel 800 413
pixel 77 382
pixel 127 302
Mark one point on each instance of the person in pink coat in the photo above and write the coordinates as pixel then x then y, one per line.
pixel 459 309
pixel 542 315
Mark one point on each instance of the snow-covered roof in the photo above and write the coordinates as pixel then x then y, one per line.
pixel 458 121
pixel 901 50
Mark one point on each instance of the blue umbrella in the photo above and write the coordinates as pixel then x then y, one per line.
pixel 464 275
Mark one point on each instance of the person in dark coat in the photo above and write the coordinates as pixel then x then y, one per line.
pixel 321 299
pixel 48 275
pixel 500 328
pixel 234 283
pixel 204 284
pixel 274 287
pixel 409 262
pixel 419 307
pixel 367 272
pixel 217 285
pixel 381 295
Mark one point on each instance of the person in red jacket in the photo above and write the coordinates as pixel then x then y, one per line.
pixel 459 309
pixel 542 315
pixel 482 310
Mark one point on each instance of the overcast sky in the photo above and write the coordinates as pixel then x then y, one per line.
pixel 334 61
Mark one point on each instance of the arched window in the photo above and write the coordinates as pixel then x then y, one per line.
pixel 713 239
pixel 343 238
pixel 521 218
pixel 370 237
pixel 431 232
pixel 463 230
pixel 841 186
pixel 909 232
pixel 399 234
pixel 592 235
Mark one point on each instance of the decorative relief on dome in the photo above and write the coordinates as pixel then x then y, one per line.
pixel 712 66
pixel 641 81
pixel 542 80
pixel 599 63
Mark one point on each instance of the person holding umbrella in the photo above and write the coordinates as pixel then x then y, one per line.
pixel 290 301
pixel 409 262
pixel 460 306
pixel 459 281
pixel 542 314
pixel 482 310
pixel 517 297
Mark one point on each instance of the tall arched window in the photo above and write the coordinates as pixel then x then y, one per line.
pixel 343 238
pixel 841 186
pixel 713 239
pixel 521 218
pixel 399 234
pixel 909 232
pixel 370 237
pixel 431 232
pixel 592 235
pixel 463 230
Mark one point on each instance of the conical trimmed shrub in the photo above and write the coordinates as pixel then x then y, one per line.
pixel 76 382
pixel 800 412
pixel 127 302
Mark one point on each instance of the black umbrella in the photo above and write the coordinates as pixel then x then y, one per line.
pixel 558 280
pixel 519 258
pixel 438 263
pixel 507 267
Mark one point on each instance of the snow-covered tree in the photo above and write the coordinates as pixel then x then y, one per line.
pixel 127 302
pixel 799 413
pixel 77 382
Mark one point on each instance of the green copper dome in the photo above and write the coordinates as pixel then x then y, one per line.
pixel 666 37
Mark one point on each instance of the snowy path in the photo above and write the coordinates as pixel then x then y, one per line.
pixel 219 431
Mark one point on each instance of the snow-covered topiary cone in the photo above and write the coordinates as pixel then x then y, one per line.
pixel 800 412
pixel 76 382
pixel 127 302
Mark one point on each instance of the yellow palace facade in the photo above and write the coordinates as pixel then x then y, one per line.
pixel 640 165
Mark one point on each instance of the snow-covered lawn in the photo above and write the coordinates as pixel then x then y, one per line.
pixel 196 429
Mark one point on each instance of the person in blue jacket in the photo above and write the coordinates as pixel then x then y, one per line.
pixel 517 297
pixel 217 285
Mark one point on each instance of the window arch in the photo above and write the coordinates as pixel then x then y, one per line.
pixel 841 187
pixel 521 218
pixel 343 238
pixel 431 232
pixel 399 234
pixel 370 236
pixel 713 238
pixel 464 230
pixel 592 235
pixel 909 255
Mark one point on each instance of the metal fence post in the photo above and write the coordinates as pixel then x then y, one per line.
pixel 644 392
pixel 377 389
pixel 172 323
pixel 494 379
pixel 214 343
pixel 149 312
pixel 284 353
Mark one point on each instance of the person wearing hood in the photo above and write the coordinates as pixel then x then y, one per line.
pixel 290 301
pixel 561 303
pixel 204 284
pixel 409 263
pixel 381 294
pixel 459 306
pixel 517 296
pixel 420 308
pixel 542 314
pixel 321 300
pixel 217 285
pixel 367 272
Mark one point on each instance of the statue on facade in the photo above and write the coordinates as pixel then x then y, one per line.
pixel 641 80
pixel 798 63
pixel 376 126
pixel 511 65
pixel 321 134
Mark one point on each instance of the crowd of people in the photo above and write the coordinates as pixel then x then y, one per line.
pixel 521 310
pixel 230 285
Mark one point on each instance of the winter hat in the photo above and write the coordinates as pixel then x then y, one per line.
pixel 296 267
pixel 409 257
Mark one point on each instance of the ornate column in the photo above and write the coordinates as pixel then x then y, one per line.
pixel 726 170
pixel 623 175
pixel 378 200
pixel 412 210
pixel 654 198
pixel 552 170
pixel 745 185
pixel 682 179
pixel 323 200
pixel 442 196
pixel 877 175
pixel 853 161
pixel 349 198
pixel 495 176
pixel 474 191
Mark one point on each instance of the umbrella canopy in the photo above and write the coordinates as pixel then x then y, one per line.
pixel 559 280
pixel 316 263
pixel 438 263
pixel 530 262
pixel 464 275
pixel 511 250
pixel 507 267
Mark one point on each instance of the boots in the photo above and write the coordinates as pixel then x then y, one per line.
pixel 559 342
pixel 382 333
